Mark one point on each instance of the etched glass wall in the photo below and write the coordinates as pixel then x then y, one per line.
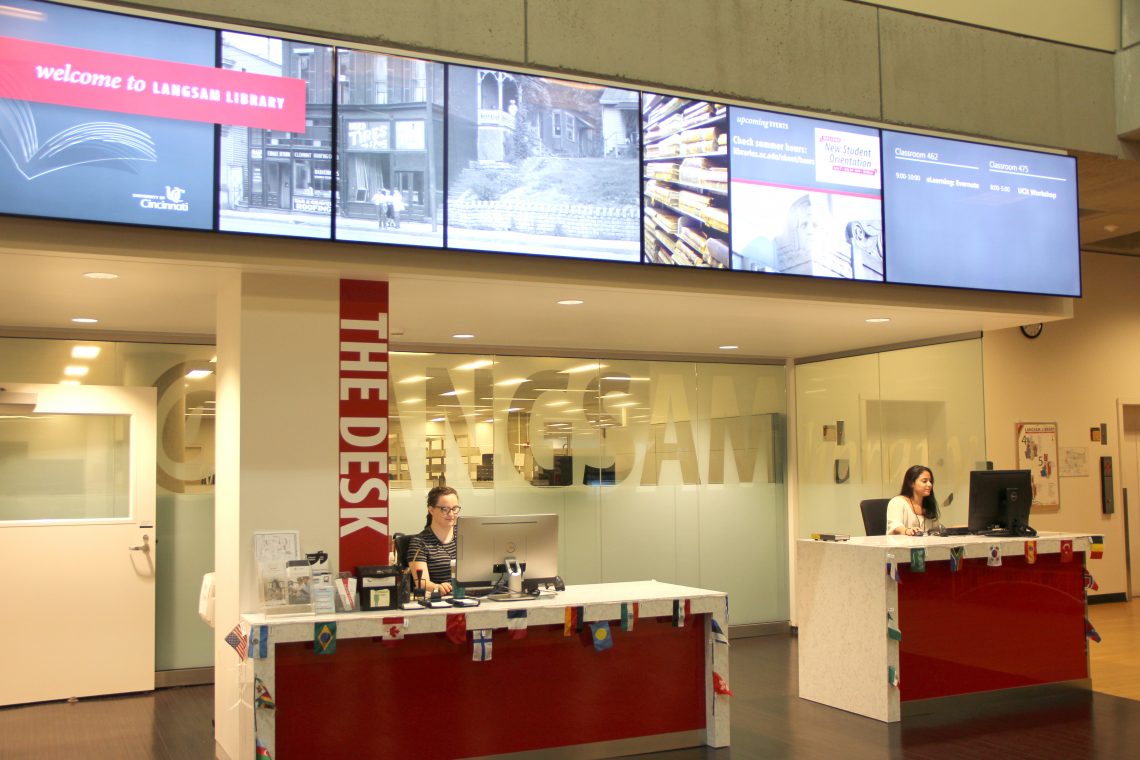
pixel 863 420
pixel 664 470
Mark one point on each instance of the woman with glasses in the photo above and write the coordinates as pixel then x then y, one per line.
pixel 432 550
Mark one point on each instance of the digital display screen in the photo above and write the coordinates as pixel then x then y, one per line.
pixel 806 196
pixel 389 149
pixel 84 125
pixel 685 181
pixel 967 215
pixel 277 179
pixel 542 166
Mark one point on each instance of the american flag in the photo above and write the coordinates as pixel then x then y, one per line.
pixel 237 639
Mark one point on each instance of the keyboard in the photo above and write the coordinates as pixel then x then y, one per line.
pixel 958 530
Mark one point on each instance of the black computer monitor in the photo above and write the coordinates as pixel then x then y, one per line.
pixel 1000 499
pixel 484 541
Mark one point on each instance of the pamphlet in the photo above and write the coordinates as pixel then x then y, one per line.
pixel 299 575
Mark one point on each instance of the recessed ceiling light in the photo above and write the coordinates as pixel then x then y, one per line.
pixel 198 374
pixel 463 336
pixel 101 275
pixel 74 370
pixel 84 320
pixel 571 302
pixel 728 348
pixel 85 352
pixel 877 320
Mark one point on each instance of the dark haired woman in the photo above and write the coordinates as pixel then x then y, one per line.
pixel 432 550
pixel 914 510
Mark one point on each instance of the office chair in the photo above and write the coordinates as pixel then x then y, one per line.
pixel 874 516
pixel 402 540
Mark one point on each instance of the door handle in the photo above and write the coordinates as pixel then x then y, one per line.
pixel 144 547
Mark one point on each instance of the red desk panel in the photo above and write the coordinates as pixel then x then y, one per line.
pixel 424 697
pixel 984 628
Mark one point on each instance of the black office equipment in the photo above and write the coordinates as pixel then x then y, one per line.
pixel 1000 502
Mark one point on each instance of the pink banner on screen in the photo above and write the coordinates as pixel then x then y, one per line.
pixel 363 394
pixel 68 76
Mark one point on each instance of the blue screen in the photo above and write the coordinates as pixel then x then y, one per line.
pixel 966 215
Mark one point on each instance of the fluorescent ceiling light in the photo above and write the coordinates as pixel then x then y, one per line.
pixel 85 352
pixel 85 320
pixel 463 336
pixel 571 302
pixel 728 348
pixel 76 370
pixel 583 368
pixel 198 374
pixel 477 364
pixel 877 320
pixel 101 275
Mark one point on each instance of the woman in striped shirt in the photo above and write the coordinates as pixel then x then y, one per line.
pixel 432 550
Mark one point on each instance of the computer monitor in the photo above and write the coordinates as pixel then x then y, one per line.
pixel 483 542
pixel 1000 498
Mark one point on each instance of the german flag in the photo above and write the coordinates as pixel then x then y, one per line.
pixel 1096 551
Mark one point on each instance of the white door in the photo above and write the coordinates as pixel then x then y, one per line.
pixel 77 510
pixel 1129 475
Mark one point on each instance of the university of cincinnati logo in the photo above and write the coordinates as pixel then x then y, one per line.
pixel 173 200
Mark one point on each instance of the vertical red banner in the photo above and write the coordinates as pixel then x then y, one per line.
pixel 363 425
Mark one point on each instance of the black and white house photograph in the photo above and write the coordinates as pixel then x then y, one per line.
pixel 542 166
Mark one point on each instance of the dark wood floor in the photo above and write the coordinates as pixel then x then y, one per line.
pixel 768 721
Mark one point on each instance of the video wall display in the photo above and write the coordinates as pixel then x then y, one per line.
pixel 542 166
pixel 968 215
pixel 112 118
pixel 389 149
pixel 686 182
pixel 275 181
pixel 806 196
pixel 102 117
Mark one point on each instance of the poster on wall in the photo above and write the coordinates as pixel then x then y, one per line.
pixel 389 149
pixel 106 117
pixel 276 179
pixel 1037 452
pixel 805 196
pixel 542 166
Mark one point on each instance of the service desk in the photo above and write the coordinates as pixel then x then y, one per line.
pixel 545 688
pixel 880 647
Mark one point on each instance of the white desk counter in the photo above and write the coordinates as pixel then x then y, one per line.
pixel 980 627
pixel 551 671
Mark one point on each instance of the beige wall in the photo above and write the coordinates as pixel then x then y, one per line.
pixel 1091 23
pixel 833 56
pixel 1073 375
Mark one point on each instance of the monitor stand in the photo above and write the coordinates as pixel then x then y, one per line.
pixel 514 573
pixel 510 596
